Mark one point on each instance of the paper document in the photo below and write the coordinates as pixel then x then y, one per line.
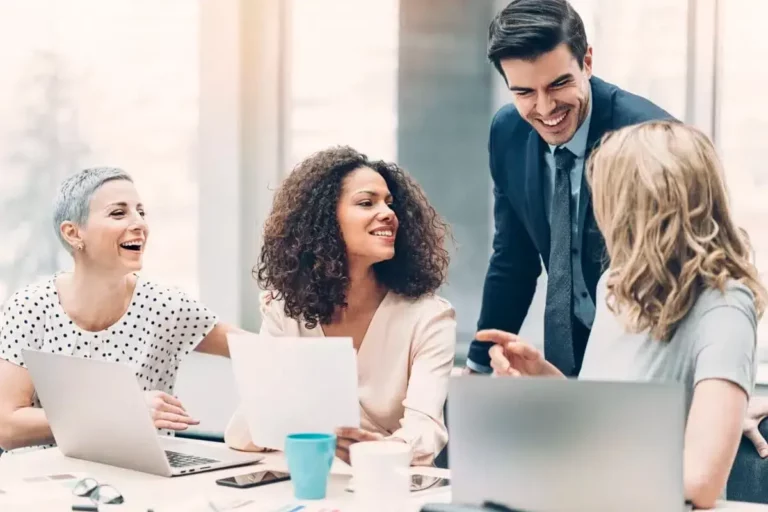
pixel 294 385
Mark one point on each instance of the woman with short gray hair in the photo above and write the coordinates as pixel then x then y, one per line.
pixel 102 310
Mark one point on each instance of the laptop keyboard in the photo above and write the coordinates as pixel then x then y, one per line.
pixel 182 460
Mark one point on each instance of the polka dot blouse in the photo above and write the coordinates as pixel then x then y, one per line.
pixel 160 327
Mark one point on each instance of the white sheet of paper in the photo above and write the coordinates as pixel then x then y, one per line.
pixel 294 385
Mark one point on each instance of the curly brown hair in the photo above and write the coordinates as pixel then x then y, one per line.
pixel 303 257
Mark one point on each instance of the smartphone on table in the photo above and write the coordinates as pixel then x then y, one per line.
pixel 254 479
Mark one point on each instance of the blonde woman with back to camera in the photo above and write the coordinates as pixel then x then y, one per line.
pixel 680 300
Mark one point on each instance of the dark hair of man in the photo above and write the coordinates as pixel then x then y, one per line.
pixel 527 29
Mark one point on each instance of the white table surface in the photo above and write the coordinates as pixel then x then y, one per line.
pixel 192 493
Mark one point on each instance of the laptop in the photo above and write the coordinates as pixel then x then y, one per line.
pixel 536 444
pixel 97 412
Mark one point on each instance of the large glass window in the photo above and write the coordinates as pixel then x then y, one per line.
pixel 650 62
pixel 342 77
pixel 741 131
pixel 91 83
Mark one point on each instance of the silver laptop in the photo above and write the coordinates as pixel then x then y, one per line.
pixel 97 413
pixel 566 445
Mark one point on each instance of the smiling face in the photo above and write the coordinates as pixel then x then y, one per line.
pixel 114 236
pixel 551 92
pixel 368 224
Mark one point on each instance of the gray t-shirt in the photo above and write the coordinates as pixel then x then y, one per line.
pixel 716 340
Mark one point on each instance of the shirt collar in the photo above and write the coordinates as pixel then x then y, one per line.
pixel 578 143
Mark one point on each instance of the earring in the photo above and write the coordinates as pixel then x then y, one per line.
pixel 80 246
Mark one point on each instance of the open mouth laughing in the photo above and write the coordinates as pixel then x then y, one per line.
pixel 133 245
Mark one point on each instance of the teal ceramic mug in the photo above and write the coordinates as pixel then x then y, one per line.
pixel 309 458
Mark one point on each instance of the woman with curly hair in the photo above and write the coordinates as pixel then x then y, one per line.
pixel 353 248
pixel 680 300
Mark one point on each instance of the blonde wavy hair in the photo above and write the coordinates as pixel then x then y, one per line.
pixel 660 201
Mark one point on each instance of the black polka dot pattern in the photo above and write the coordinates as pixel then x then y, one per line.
pixel 160 327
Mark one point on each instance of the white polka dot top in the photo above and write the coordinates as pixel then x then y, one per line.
pixel 160 327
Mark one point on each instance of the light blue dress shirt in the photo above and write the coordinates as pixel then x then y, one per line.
pixel 583 306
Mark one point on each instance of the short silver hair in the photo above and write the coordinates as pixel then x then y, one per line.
pixel 73 199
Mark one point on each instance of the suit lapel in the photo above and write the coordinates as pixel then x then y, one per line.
pixel 535 194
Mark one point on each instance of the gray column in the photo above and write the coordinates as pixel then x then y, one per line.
pixel 444 108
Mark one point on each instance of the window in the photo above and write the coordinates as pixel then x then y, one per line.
pixel 741 130
pixel 342 77
pixel 650 63
pixel 91 83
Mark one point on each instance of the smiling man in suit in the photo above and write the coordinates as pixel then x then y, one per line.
pixel 542 205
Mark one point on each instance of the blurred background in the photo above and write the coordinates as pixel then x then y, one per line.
pixel 209 103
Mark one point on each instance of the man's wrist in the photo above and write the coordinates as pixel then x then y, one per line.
pixel 473 367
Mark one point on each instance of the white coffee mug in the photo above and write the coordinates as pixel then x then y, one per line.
pixel 381 475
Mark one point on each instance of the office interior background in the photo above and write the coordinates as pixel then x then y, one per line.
pixel 209 103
